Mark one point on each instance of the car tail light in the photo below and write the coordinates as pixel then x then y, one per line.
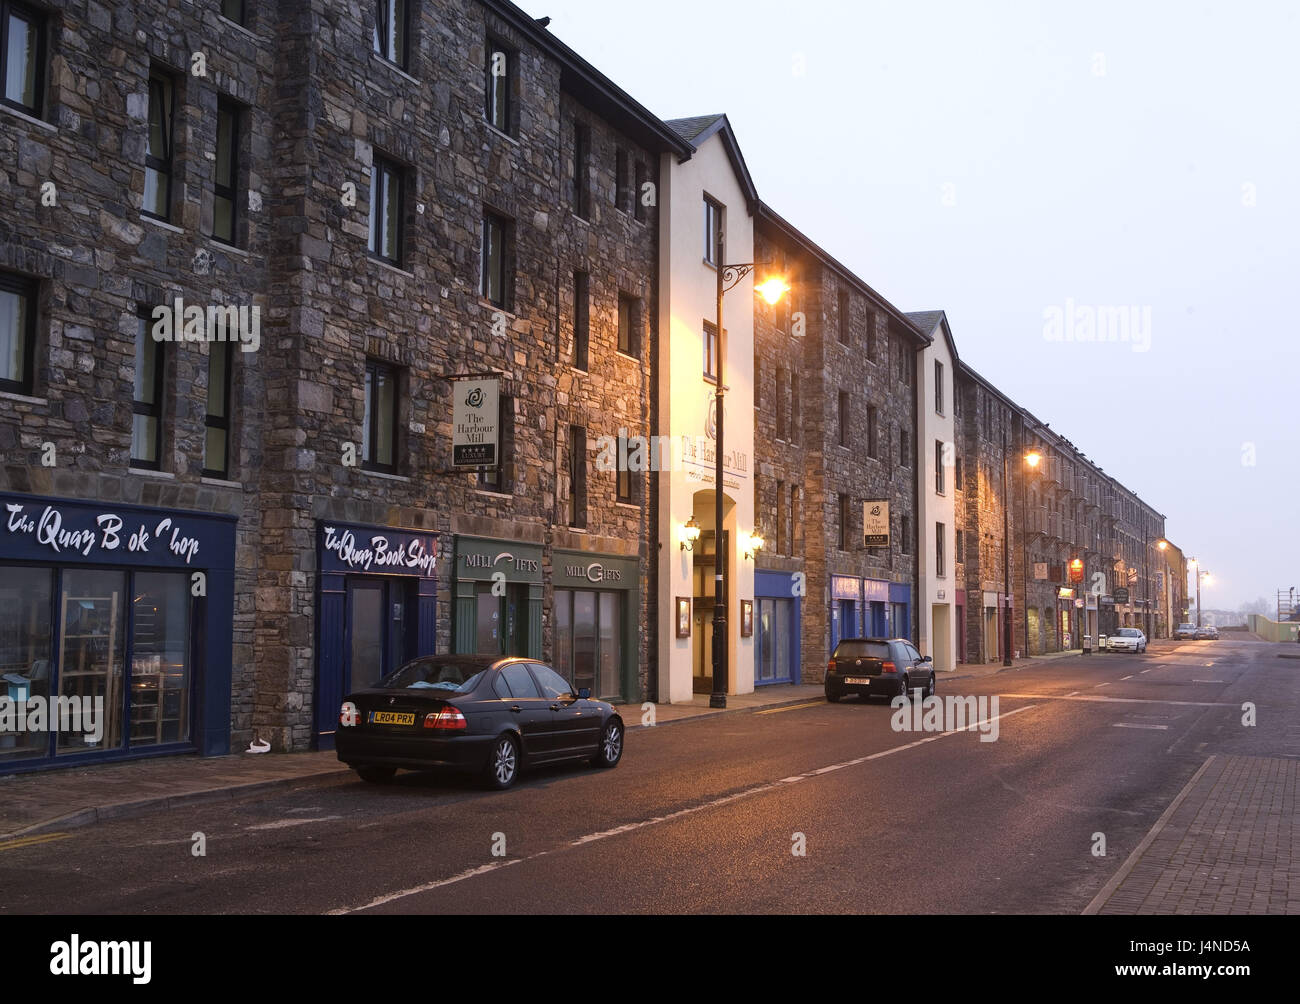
pixel 348 714
pixel 888 667
pixel 830 666
pixel 448 719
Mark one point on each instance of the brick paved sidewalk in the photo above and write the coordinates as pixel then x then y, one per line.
pixel 1229 844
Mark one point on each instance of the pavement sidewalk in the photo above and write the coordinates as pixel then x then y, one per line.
pixel 1228 844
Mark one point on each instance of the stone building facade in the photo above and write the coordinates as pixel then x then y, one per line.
pixel 835 430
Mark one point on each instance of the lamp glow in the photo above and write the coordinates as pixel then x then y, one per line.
pixel 773 289
pixel 1033 458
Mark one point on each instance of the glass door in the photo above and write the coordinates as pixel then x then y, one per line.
pixel 367 648
pixel 92 633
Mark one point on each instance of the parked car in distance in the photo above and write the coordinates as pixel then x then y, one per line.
pixel 1207 633
pixel 1185 632
pixel 479 714
pixel 884 667
pixel 1127 639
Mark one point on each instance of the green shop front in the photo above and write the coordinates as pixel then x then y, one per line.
pixel 497 597
pixel 596 599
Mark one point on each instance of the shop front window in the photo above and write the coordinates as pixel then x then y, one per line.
pixel 92 632
pixel 589 640
pixel 775 617
pixel 24 656
pixel 160 663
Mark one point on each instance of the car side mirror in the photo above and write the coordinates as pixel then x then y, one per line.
pixel 927 658
pixel 584 693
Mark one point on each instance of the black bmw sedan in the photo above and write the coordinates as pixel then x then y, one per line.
pixel 478 714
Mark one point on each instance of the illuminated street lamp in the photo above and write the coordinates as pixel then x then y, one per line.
pixel 771 290
pixel 1199 576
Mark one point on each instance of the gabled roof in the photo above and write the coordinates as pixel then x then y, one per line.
pixel 699 129
pixel 929 320
pixel 774 221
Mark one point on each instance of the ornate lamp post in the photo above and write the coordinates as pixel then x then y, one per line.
pixel 772 290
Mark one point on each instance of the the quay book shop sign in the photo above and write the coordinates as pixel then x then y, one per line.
pixel 115 631
pixel 475 416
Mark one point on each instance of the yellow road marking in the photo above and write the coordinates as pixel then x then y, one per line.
pixel 44 838
pixel 792 707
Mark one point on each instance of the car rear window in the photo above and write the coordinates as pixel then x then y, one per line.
pixel 861 650
pixel 451 675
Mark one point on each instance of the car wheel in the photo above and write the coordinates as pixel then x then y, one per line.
pixel 904 688
pixel 611 745
pixel 832 697
pixel 503 763
pixel 929 690
pixel 376 775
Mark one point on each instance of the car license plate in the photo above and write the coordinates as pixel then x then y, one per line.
pixel 857 679
pixel 391 718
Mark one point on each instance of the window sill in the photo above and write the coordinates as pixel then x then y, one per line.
pixel 161 223
pixel 494 130
pixel 628 505
pixel 220 483
pixel 627 355
pixel 10 395
pixel 242 28
pixel 496 308
pixel 395 67
pixel 579 217
pixel 385 476
pixel 493 493
pixel 28 117
pixel 146 473
pixel 227 248
pixel 390 266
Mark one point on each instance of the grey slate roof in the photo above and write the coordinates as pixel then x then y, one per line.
pixel 690 128
pixel 926 320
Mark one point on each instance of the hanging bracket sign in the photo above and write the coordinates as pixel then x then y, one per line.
pixel 476 413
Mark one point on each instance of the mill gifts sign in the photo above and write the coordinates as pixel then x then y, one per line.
pixel 475 415
pixel 875 523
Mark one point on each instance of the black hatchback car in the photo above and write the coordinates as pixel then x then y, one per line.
pixel 477 714
pixel 884 667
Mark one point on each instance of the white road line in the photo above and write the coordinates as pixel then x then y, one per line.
pixel 1129 677
pixel 1208 681
pixel 281 824
pixel 1117 700
pixel 1147 670
pixel 1109 888
pixel 1137 725
pixel 1071 693
pixel 680 813
pixel 1103 685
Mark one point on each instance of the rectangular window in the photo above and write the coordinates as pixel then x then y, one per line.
pixel 780 402
pixel 938 387
pixel 622 192
pixel 499 83
pixel 844 418
pixel 623 472
pixel 216 445
pixel 710 351
pixel 22 56
pixel 873 434
pixel 796 419
pixel 92 638
pixel 843 520
pixel 577 476
pixel 780 517
pixel 390 30
pixel 581 319
pixel 226 172
pixel 940 558
pixel 233 10
pixel 629 324
pixel 160 658
pixel 939 484
pixel 497 479
pixel 961 540
pixel 844 317
pixel 906 546
pixel 159 159
pixel 579 197
pixel 758 378
pixel 147 406
pixel 26 639
pixel 641 194
pixel 712 229
pixel 496 235
pixel 957 473
pixel 386 211
pixel 904 448
pixel 379 436
pixel 17 332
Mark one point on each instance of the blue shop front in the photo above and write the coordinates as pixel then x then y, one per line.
pixel 778 615
pixel 115 632
pixel 376 606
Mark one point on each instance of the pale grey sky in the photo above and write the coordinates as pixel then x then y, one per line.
pixel 999 159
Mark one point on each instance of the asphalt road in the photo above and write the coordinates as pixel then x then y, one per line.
pixel 704 815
